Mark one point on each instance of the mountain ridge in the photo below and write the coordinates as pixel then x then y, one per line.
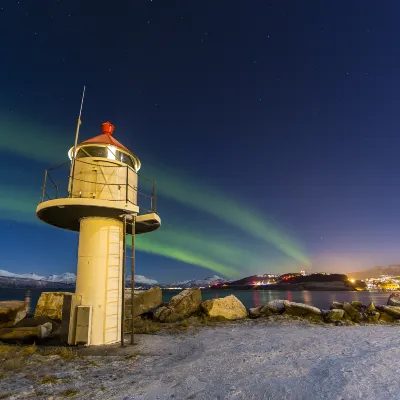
pixel 68 279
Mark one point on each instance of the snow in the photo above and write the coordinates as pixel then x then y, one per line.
pixel 67 277
pixel 143 280
pixel 199 282
pixel 248 360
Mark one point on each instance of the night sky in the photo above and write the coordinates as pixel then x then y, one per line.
pixel 271 128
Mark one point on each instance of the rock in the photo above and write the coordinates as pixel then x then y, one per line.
pixel 373 316
pixel 355 315
pixel 336 314
pixel 25 333
pixel 371 307
pixel 385 317
pixel 336 305
pixel 50 305
pixel 273 307
pixel 344 323
pixel 255 312
pixel 180 307
pixel 229 307
pixel 270 308
pixel 144 300
pixel 393 311
pixel 301 310
pixel 11 312
pixel 394 300
pixel 36 321
pixel 357 305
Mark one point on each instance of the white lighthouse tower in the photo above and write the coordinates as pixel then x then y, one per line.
pixel 100 202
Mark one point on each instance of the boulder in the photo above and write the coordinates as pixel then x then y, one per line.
pixel 371 307
pixel 50 304
pixel 357 305
pixel 385 317
pixel 143 300
pixel 272 307
pixel 394 300
pixel 180 307
pixel 301 310
pixel 336 305
pixel 229 307
pixel 373 316
pixel 255 312
pixel 37 321
pixel 11 312
pixel 354 314
pixel 25 333
pixel 336 314
pixel 393 311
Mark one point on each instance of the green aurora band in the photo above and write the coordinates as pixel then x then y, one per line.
pixel 171 184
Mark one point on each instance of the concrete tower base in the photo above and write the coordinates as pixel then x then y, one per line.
pixel 99 276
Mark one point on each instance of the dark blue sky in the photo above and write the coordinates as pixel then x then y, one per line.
pixel 289 108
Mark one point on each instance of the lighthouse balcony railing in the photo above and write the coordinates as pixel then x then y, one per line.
pixel 101 181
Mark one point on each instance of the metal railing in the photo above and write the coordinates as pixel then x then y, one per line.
pixel 58 183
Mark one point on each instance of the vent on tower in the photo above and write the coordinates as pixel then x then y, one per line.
pixel 107 128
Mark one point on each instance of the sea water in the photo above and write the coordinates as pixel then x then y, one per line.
pixel 250 298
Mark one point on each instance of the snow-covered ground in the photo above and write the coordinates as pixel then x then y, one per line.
pixel 249 360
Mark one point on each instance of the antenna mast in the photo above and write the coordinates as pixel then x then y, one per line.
pixel 79 122
pixel 76 140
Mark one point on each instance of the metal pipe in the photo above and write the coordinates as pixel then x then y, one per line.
pixel 127 184
pixel 133 279
pixel 123 283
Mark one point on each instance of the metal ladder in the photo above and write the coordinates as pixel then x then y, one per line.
pixel 129 221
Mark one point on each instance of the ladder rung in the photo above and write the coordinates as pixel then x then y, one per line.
pixel 111 315
pixel 113 327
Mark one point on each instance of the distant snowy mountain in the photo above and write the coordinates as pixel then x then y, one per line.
pixel 68 279
pixel 10 279
pixel 212 280
pixel 146 281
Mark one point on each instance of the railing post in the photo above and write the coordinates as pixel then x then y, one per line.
pixel 154 197
pixel 71 177
pixel 44 185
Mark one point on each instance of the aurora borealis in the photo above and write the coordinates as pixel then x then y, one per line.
pixel 271 129
pixel 183 244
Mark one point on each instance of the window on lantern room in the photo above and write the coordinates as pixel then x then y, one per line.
pixel 106 152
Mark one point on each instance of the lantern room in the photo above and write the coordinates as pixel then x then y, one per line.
pixel 104 169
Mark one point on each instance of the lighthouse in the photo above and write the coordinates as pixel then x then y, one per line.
pixel 99 199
